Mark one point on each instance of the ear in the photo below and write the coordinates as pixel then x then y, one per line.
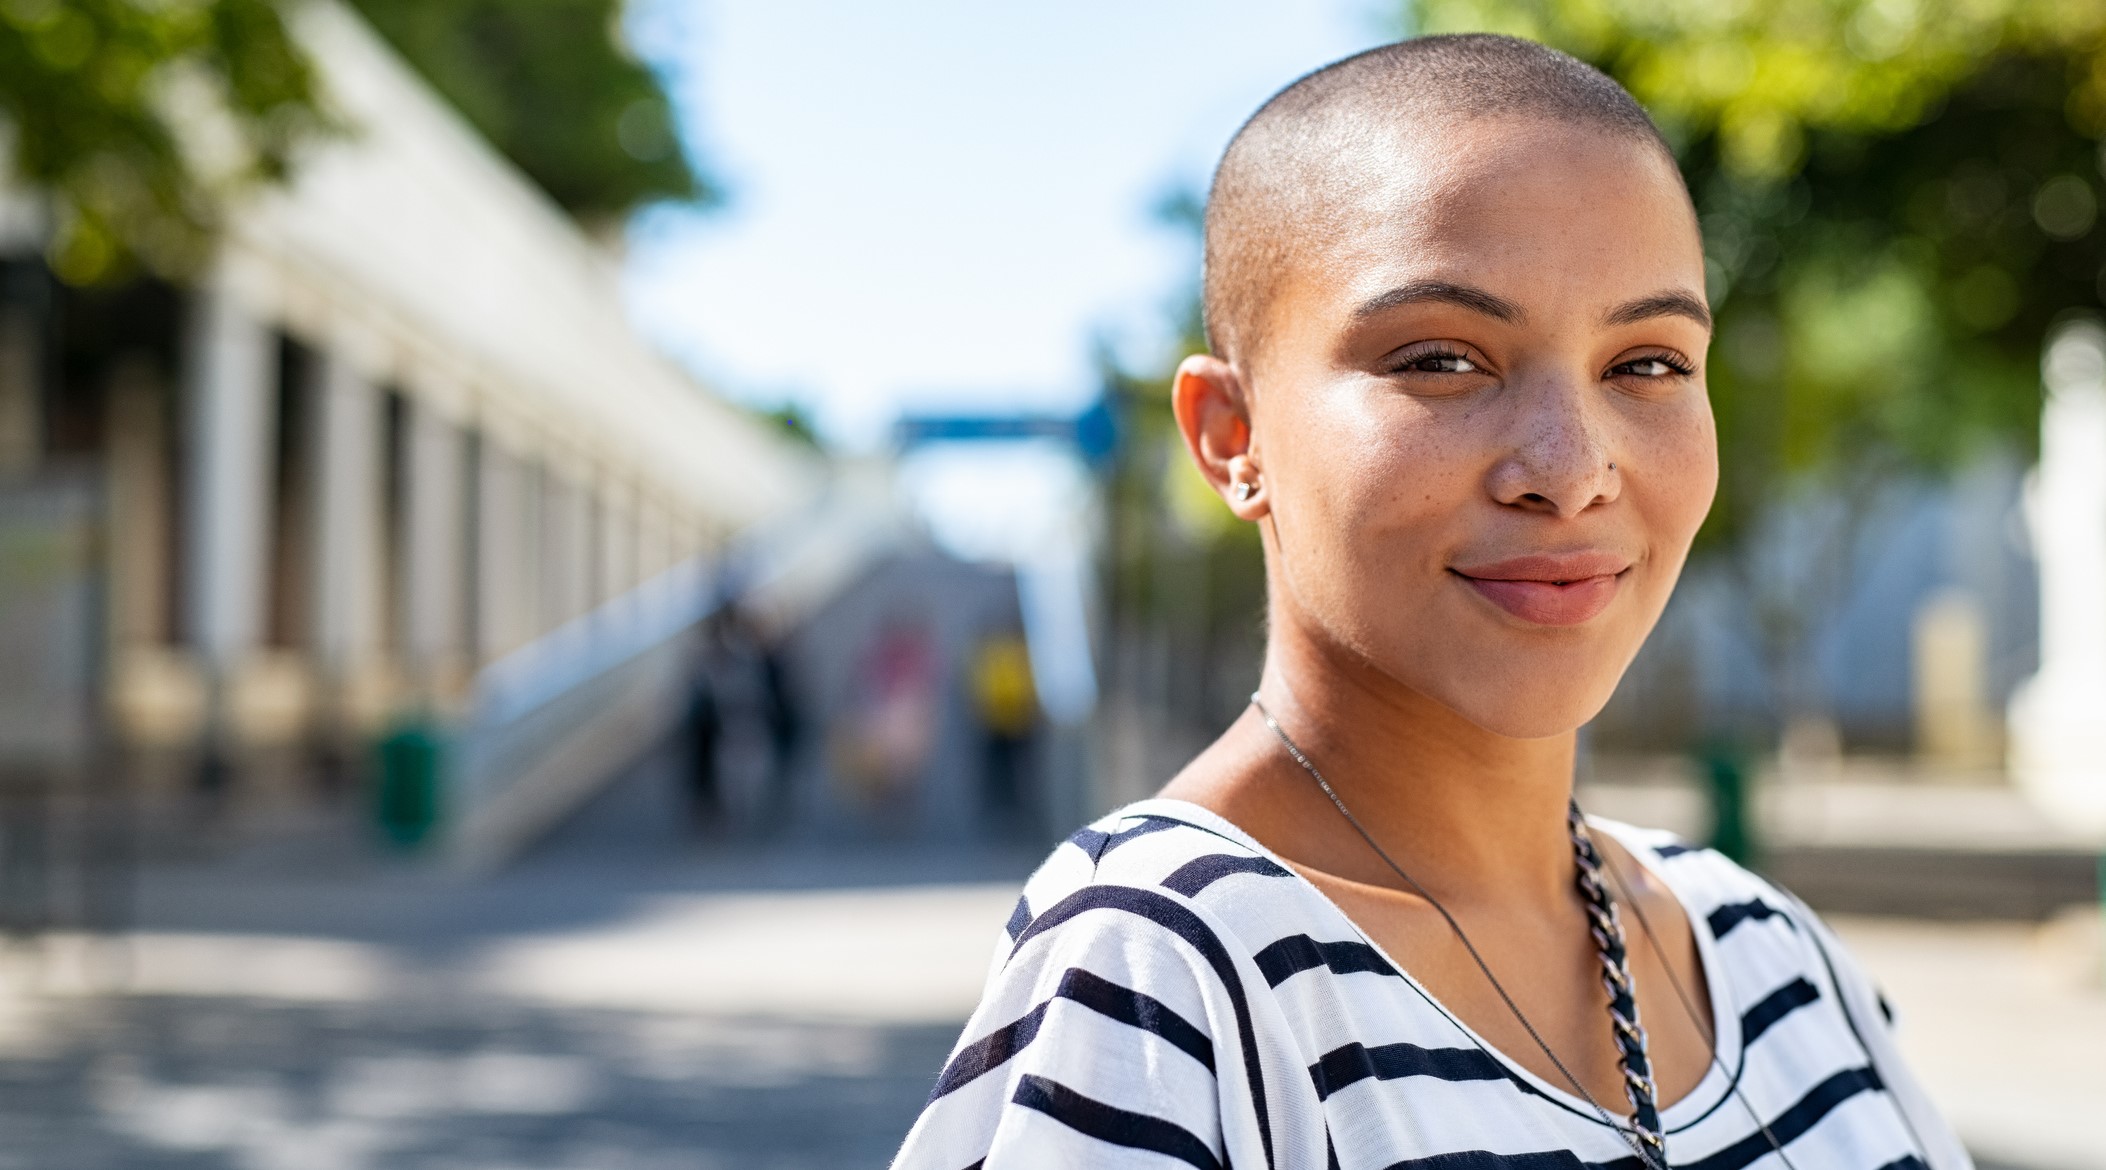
pixel 1213 415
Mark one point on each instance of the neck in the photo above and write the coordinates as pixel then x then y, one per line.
pixel 1470 813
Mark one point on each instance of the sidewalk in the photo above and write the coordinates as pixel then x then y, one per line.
pixel 1855 801
pixel 1874 838
pixel 630 1000
pixel 674 1028
pixel 2006 1025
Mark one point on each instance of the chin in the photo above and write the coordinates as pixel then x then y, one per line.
pixel 1526 696
pixel 1512 715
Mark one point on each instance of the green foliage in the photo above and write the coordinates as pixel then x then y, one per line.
pixel 1183 577
pixel 135 119
pixel 85 86
pixel 1764 76
pixel 550 84
pixel 1899 198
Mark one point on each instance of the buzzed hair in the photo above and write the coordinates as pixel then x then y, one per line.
pixel 1270 189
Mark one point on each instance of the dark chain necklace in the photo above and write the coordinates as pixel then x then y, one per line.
pixel 1607 926
pixel 1643 1133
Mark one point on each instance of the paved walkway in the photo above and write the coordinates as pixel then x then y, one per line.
pixel 248 1083
pixel 628 998
pixel 1873 838
pixel 2006 1024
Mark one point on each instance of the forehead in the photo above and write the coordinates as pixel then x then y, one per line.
pixel 1557 218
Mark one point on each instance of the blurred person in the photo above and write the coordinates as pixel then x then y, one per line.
pixel 780 714
pixel 1454 292
pixel 705 730
pixel 886 737
pixel 1006 703
pixel 742 722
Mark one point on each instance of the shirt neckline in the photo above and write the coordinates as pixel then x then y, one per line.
pixel 1700 1101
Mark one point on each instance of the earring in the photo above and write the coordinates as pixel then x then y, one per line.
pixel 1241 490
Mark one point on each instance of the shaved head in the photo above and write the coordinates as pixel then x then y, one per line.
pixel 1338 140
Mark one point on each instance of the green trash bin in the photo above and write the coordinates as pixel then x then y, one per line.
pixel 406 803
pixel 1724 764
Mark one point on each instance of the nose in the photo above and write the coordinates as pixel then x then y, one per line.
pixel 1556 460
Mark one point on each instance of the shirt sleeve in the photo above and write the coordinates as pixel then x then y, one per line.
pixel 1096 1043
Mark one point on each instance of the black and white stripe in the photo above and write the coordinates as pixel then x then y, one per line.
pixel 1168 994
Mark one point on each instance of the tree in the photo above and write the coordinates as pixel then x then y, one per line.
pixel 97 98
pixel 550 84
pixel 1899 200
pixel 1184 580
pixel 85 89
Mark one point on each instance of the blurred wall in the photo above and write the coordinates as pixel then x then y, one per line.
pixel 1936 596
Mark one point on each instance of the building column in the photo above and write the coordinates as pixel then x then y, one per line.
pixel 615 532
pixel 2057 735
pixel 490 545
pixel 230 373
pixel 654 539
pixel 567 555
pixel 505 548
pixel 433 529
pixel 579 563
pixel 345 553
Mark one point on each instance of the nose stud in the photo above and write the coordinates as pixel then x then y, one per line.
pixel 1612 467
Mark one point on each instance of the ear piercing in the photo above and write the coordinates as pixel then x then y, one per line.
pixel 1241 489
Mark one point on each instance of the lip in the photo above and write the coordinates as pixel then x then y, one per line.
pixel 1550 589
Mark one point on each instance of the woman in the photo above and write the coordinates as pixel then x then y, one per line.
pixel 1455 296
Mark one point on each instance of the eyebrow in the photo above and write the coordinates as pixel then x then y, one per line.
pixel 1460 295
pixel 1668 304
pixel 1477 300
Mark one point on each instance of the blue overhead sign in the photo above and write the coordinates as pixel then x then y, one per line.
pixel 1094 433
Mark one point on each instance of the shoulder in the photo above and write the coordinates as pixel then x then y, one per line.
pixel 1725 895
pixel 1768 942
pixel 1109 923
pixel 1162 861
pixel 1171 891
pixel 1116 1019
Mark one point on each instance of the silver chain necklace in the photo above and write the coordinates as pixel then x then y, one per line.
pixel 1655 1159
pixel 1592 864
pixel 1642 1133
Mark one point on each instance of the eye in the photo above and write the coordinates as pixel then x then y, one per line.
pixel 1657 365
pixel 1436 361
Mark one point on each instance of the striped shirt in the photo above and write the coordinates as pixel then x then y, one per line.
pixel 1168 993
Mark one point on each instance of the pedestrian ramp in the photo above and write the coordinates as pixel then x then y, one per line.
pixel 553 722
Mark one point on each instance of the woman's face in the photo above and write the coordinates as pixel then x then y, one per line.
pixel 1479 423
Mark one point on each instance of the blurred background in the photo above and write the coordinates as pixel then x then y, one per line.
pixel 560 561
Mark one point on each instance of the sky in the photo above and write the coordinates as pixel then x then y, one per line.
pixel 941 205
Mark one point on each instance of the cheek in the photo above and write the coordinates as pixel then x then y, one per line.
pixel 1679 455
pixel 1381 463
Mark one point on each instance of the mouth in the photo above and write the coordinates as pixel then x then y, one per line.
pixel 1560 589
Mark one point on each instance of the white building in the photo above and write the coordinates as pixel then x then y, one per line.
pixel 399 437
